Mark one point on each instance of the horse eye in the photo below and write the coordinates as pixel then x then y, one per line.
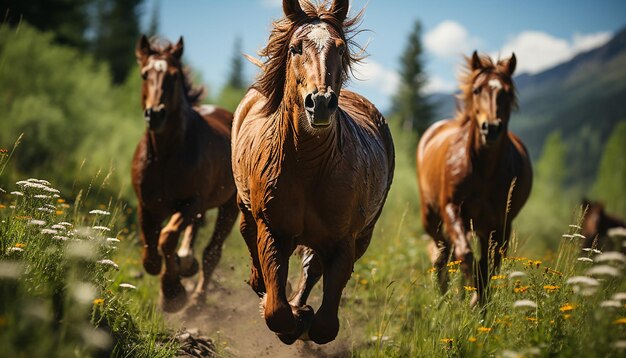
pixel 476 90
pixel 342 50
pixel 296 49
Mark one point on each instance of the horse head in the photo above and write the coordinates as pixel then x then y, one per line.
pixel 161 71
pixel 490 96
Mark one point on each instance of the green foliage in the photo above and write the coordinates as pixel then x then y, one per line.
pixel 235 79
pixel 409 103
pixel 610 185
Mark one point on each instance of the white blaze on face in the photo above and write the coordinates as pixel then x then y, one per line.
pixel 495 84
pixel 319 35
pixel 157 65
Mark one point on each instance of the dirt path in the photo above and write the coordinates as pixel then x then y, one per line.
pixel 232 318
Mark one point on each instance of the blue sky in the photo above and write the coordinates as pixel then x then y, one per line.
pixel 542 34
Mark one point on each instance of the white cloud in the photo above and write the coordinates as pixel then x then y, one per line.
pixel 450 39
pixel 437 84
pixel 537 51
pixel 371 74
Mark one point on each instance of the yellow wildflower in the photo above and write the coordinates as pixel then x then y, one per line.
pixel 531 263
pixel 59 212
pixel 621 320
pixel 453 270
pixel 363 282
pixel 454 263
pixel 98 301
pixel 431 270
pixel 567 316
pixel 521 289
pixel 469 288
pixel 567 307
pixel 484 329
pixel 447 340
pixel 2 206
pixel 472 339
pixel 532 319
pixel 59 200
pixel 20 245
pixel 498 277
pixel 554 272
pixel 551 288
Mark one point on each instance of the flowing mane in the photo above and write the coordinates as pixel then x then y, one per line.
pixel 271 81
pixel 468 79
pixel 194 94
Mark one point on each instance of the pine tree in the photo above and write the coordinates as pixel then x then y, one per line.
pixel 235 79
pixel 153 26
pixel 117 32
pixel 409 103
pixel 610 185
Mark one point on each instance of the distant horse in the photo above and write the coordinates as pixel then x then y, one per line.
pixel 181 168
pixel 313 165
pixel 596 224
pixel 467 169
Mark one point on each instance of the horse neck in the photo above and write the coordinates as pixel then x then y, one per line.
pixel 313 149
pixel 484 158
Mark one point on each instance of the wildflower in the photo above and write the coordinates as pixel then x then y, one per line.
pixel 20 245
pixel 521 289
pixel 611 304
pixel 60 201
pixel 453 270
pixel 575 226
pixel 498 277
pixel 38 181
pixel 603 270
pixel 2 206
pixel 447 340
pixel 579 236
pixel 621 320
pixel 112 240
pixel 66 224
pixel 472 339
pixel 532 319
pixel 567 236
pixel 17 193
pixel 42 196
pixel 525 304
pixel 14 249
pixel 108 262
pixel 619 345
pixel 49 231
pixel 484 329
pixel 363 282
pixel 469 288
pixel 532 263
pixel 620 296
pixel 554 272
pixel 454 263
pixel 567 316
pixel 584 259
pixel 516 274
pixel 46 210
pixel 103 228
pixel 60 237
pixel 567 307
pixel 99 212
pixel 611 256
pixel 589 249
pixel 584 280
pixel 431 270
pixel 98 301
pixel 128 285
pixel 551 288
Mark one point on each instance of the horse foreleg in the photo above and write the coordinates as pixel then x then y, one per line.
pixel 312 270
pixel 150 228
pixel 226 217
pixel 249 232
pixel 173 293
pixel 458 236
pixel 188 265
pixel 337 271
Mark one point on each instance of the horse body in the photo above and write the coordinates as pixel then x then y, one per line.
pixel 313 165
pixel 468 184
pixel 181 168
pixel 596 225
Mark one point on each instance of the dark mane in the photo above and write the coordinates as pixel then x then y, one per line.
pixel 271 81
pixel 467 79
pixel 194 94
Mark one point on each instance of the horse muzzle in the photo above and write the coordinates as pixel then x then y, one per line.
pixel 155 117
pixel 490 131
pixel 320 107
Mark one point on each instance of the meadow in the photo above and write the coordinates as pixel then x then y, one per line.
pixel 71 281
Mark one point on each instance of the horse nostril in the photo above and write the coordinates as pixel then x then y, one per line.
pixel 309 103
pixel 333 102
pixel 484 126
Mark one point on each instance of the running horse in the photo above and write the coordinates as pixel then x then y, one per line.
pixel 596 225
pixel 313 165
pixel 474 174
pixel 181 168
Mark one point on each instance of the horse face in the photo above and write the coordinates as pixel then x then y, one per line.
pixel 493 98
pixel 161 73
pixel 317 53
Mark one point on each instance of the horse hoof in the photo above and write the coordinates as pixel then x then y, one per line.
pixel 173 297
pixel 152 263
pixel 324 332
pixel 188 267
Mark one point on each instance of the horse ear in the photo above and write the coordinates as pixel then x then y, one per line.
pixel 476 62
pixel 511 64
pixel 340 9
pixel 292 9
pixel 142 50
pixel 177 50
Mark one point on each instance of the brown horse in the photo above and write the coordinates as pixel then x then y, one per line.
pixel 596 224
pixel 313 165
pixel 181 168
pixel 474 173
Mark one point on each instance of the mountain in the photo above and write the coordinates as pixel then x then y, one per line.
pixel 584 98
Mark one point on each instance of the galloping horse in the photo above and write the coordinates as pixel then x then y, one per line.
pixel 181 168
pixel 474 174
pixel 313 165
pixel 596 225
